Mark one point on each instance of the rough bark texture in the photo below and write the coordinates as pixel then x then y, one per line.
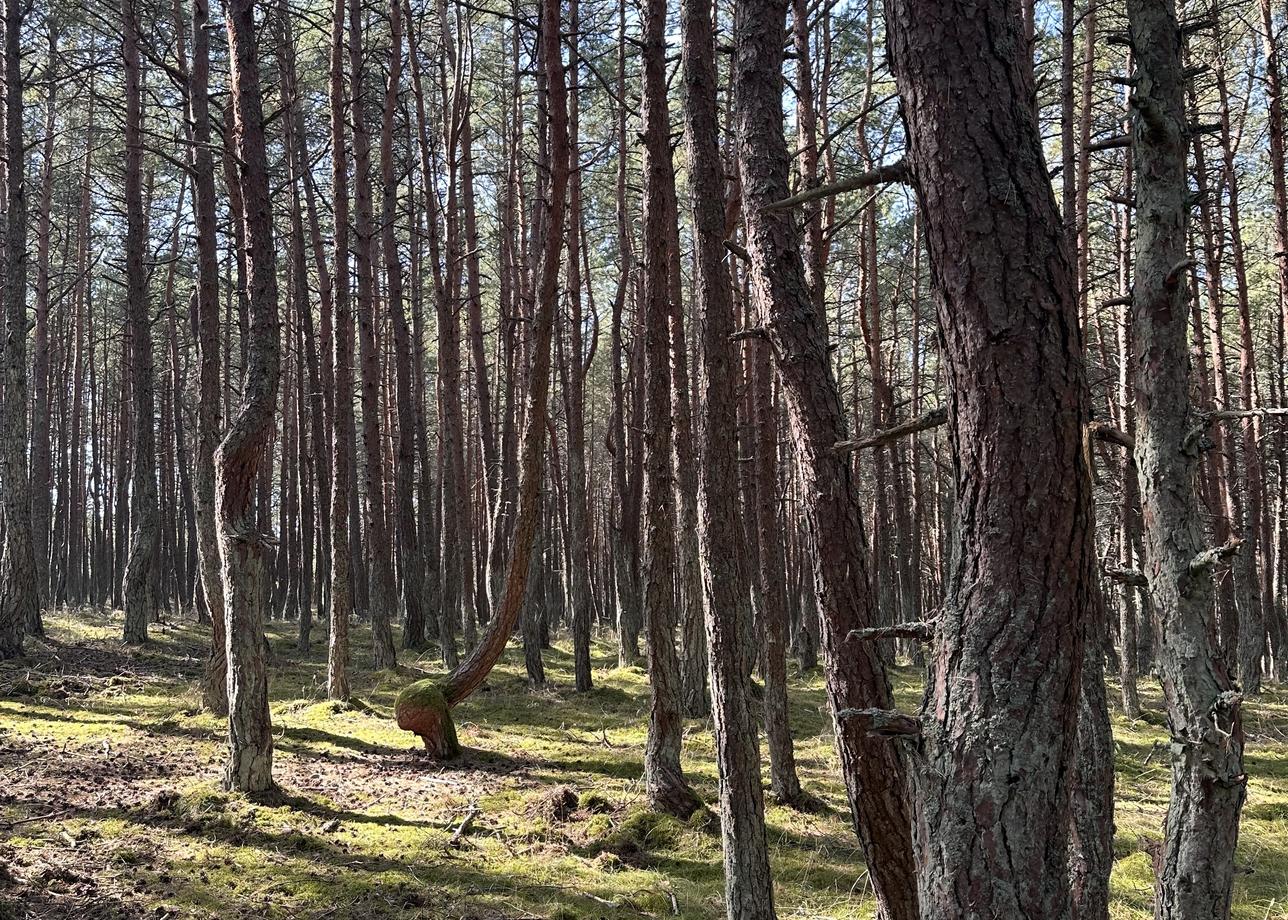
pixel 749 887
pixel 19 589
pixel 138 587
pixel 1001 710
pixel 337 672
pixel 1203 706
pixel 214 692
pixel 246 446
pixel 856 678
pixel 664 781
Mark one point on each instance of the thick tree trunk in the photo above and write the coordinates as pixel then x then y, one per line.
pixel 1208 780
pixel 993 791
pixel 246 446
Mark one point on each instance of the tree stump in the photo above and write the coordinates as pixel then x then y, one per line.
pixel 421 708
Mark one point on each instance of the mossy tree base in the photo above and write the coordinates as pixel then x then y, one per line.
pixel 422 709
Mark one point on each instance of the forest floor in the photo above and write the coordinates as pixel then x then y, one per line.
pixel 110 803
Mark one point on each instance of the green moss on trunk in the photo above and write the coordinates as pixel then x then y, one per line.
pixel 421 708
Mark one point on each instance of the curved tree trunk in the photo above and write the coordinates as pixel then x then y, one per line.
pixel 246 446
pixel 439 734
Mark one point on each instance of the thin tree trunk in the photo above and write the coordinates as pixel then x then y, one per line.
pixel 383 597
pixel 856 678
pixel 664 781
pixel 19 579
pixel 749 888
pixel 342 364
pixel 138 588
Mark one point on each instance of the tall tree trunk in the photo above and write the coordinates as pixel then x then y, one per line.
pixel 244 449
pixel 749 888
pixel 664 781
pixel 404 491
pixel 41 471
pixel 19 583
pixel 1279 186
pixel 214 692
pixel 383 597
pixel 575 372
pixel 993 791
pixel 626 523
pixel 1203 705
pixel 342 366
pixel 464 680
pixel 856 678
pixel 138 587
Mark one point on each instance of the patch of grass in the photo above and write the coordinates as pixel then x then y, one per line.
pixel 364 825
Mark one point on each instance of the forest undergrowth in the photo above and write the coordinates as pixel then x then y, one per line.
pixel 111 805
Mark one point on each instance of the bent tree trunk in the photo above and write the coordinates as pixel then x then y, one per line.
pixel 424 707
pixel 245 447
pixel 1203 704
pixel 856 679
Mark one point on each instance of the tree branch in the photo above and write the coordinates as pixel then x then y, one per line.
pixel 1206 420
pixel 884 723
pixel 1210 557
pixel 920 630
pixel 932 419
pixel 1111 435
pixel 893 172
pixel 1133 577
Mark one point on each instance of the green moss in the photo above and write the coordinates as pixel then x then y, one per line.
pixel 640 831
pixel 425 693
pixel 364 823
pixel 594 802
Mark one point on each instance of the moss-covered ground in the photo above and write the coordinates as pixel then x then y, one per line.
pixel 111 806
